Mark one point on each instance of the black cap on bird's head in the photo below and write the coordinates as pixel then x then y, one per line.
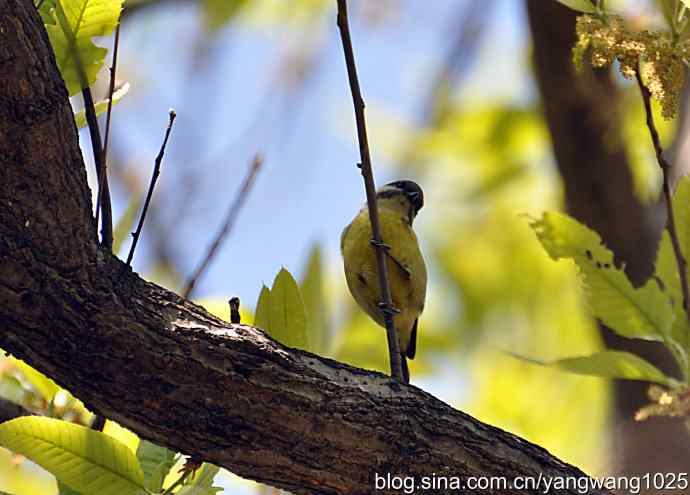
pixel 407 188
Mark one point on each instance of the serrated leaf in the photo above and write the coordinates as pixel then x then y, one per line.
pixel 579 5
pixel 155 462
pixel 312 289
pixel 124 225
pixel 85 460
pixel 288 321
pixel 642 313
pixel 76 22
pixel 609 364
pixel 101 106
pixel 46 387
pixel 262 314
pixel 202 482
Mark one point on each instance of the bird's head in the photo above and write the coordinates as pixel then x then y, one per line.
pixel 404 194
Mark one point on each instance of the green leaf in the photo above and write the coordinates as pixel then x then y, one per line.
pixel 609 364
pixel 642 313
pixel 66 490
pixel 101 106
pixel 666 269
pixel 46 387
pixel 75 23
pixel 124 225
pixel 262 314
pixel 220 12
pixel 288 321
pixel 202 482
pixel 312 289
pixel 45 9
pixel 155 462
pixel 585 6
pixel 87 461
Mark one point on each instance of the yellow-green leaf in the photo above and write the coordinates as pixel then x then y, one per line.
pixel 585 6
pixel 76 22
pixel 101 106
pixel 220 12
pixel 262 314
pixel 202 482
pixel 156 462
pixel 87 461
pixel 288 321
pixel 609 364
pixel 643 313
pixel 46 387
pixel 312 289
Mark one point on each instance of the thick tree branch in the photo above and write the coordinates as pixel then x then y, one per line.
pixel 225 393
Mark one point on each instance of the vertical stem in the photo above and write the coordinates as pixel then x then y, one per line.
pixel 666 170
pixel 102 181
pixel 367 174
pixel 107 216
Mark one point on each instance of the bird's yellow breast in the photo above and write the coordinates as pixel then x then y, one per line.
pixel 408 287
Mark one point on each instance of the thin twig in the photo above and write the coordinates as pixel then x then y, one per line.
pixel 230 218
pixel 666 171
pixel 387 308
pixel 92 120
pixel 111 90
pixel 152 185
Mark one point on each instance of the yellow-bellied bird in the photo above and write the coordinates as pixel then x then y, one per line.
pixel 398 205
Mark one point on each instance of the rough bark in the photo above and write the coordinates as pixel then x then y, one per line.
pixel 583 114
pixel 168 370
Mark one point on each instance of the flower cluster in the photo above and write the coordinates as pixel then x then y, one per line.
pixel 671 403
pixel 660 60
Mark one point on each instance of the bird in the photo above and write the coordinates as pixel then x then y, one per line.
pixel 398 204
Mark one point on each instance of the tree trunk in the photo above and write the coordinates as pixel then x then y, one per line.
pixel 582 112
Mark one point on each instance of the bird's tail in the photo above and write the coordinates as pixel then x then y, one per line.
pixel 405 369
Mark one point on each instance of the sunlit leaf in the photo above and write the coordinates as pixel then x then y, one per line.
pixel 262 314
pixel 312 289
pixel 609 364
pixel 202 482
pixel 75 23
pixel 288 321
pixel 580 5
pixel 643 313
pixel 156 462
pixel 46 387
pixel 87 461
pixel 101 106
